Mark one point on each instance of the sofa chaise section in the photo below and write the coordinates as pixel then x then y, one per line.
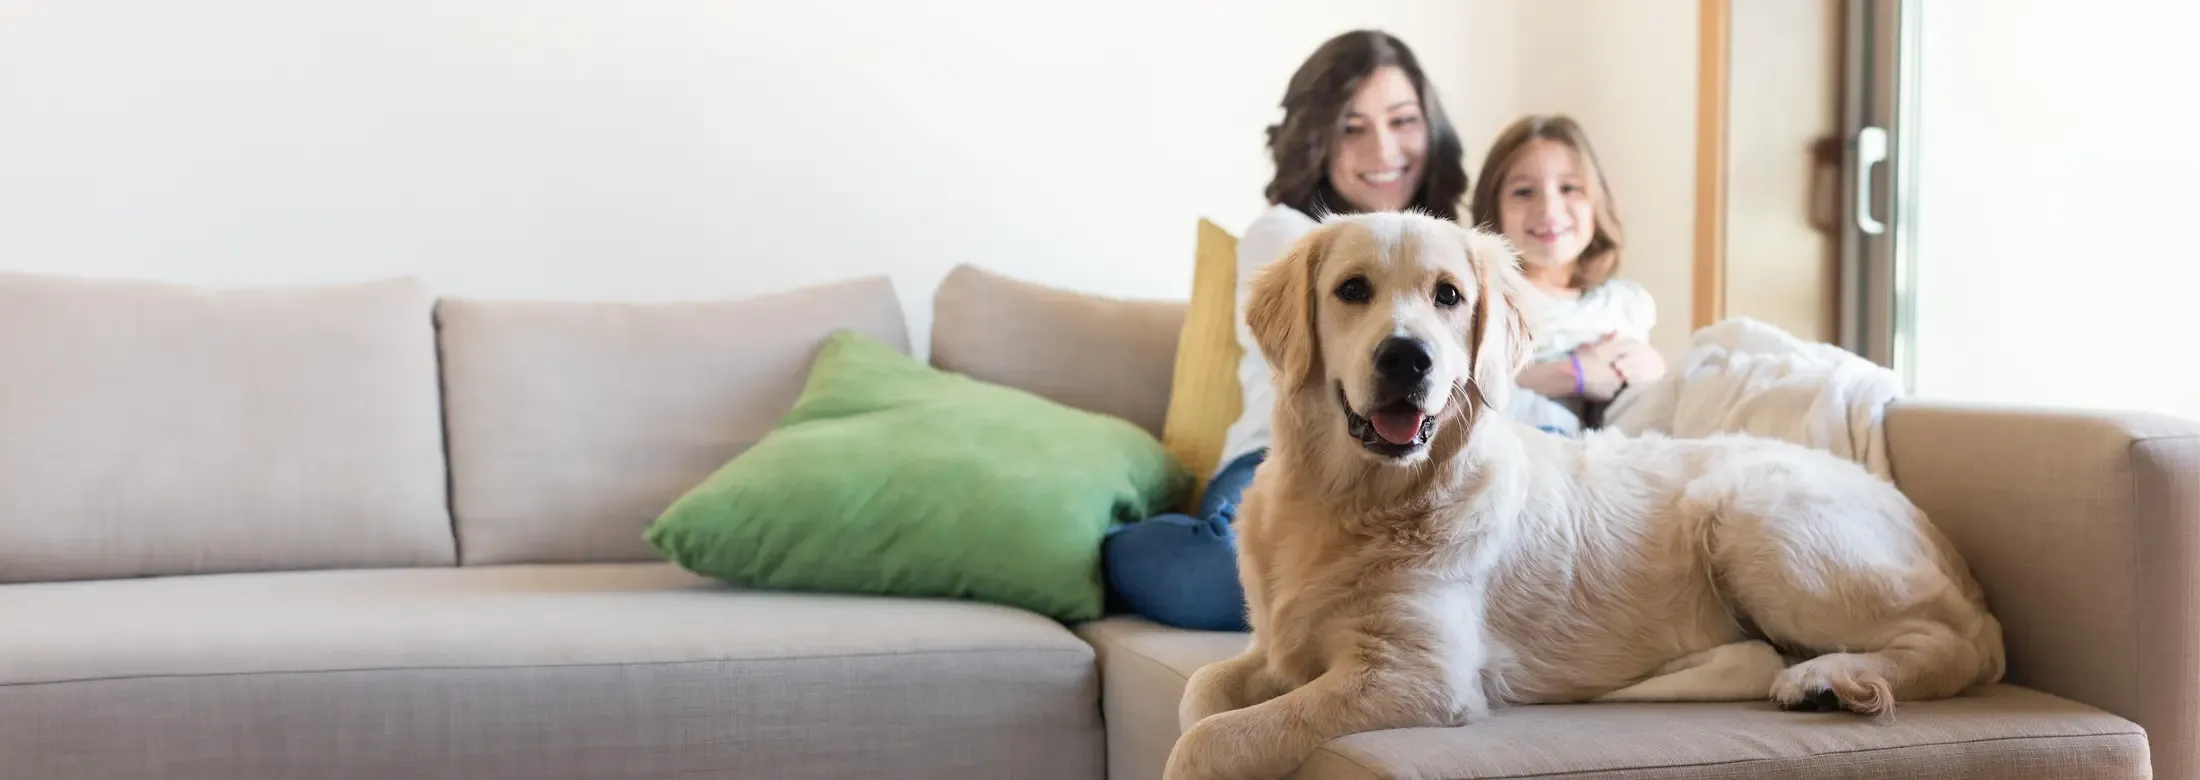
pixel 2082 525
pixel 2005 732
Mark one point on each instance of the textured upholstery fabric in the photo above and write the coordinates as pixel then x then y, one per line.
pixel 530 672
pixel 2004 733
pixel 1145 665
pixel 2084 527
pixel 1098 354
pixel 153 428
pixel 573 424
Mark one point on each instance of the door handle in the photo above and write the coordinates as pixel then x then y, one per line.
pixel 1871 150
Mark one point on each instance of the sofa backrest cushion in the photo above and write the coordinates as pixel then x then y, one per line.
pixel 574 424
pixel 152 428
pixel 1106 355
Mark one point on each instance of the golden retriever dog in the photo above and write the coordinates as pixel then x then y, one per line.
pixel 1412 556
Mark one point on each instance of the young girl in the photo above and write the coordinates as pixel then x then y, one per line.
pixel 1542 187
pixel 1361 131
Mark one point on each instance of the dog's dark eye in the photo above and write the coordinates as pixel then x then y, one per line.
pixel 1354 290
pixel 1447 295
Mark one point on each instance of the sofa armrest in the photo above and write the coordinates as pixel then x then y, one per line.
pixel 2084 528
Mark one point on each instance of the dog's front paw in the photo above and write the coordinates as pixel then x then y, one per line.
pixel 1195 756
pixel 1201 699
pixel 1214 689
pixel 1231 746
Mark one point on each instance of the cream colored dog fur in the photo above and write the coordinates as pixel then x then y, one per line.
pixel 1413 557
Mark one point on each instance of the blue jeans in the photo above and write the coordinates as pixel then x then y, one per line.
pixel 1181 570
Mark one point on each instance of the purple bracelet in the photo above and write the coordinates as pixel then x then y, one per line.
pixel 1577 372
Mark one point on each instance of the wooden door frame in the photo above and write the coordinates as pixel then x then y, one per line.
pixel 1713 31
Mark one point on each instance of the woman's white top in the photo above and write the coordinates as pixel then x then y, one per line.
pixel 1266 241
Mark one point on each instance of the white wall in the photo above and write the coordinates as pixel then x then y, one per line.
pixel 675 149
pixel 1626 69
pixel 2057 177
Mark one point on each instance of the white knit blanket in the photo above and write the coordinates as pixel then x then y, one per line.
pixel 1743 375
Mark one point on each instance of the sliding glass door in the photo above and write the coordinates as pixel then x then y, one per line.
pixel 1873 286
pixel 2021 194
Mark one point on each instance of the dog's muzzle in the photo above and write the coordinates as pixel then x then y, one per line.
pixel 1395 425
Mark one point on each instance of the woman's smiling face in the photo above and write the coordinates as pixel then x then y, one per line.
pixel 1377 164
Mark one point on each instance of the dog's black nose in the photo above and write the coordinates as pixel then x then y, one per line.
pixel 1402 359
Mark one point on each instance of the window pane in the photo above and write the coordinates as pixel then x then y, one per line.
pixel 2057 199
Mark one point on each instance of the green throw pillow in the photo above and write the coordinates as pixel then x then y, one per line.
pixel 892 477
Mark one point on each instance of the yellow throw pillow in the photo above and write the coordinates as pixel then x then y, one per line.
pixel 1204 397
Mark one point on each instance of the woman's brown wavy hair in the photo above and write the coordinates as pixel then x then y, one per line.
pixel 1314 107
pixel 1600 259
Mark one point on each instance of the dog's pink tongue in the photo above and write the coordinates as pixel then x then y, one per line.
pixel 1397 426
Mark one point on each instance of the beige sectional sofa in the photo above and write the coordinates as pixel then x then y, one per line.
pixel 364 531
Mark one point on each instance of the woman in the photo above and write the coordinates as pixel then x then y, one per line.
pixel 1362 131
pixel 1542 187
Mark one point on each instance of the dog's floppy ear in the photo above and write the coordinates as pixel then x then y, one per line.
pixel 1279 310
pixel 1503 335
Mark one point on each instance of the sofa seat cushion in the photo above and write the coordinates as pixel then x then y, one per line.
pixel 2001 732
pixel 597 670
